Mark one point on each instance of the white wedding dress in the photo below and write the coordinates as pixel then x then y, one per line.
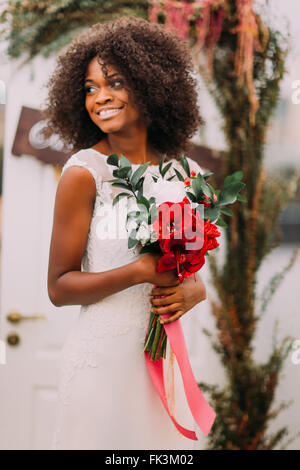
pixel 106 396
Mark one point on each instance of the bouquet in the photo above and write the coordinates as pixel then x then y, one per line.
pixel 161 226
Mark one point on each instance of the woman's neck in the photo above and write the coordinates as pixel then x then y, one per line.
pixel 136 154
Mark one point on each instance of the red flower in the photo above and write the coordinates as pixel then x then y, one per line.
pixel 187 182
pixel 174 221
pixel 193 174
pixel 206 201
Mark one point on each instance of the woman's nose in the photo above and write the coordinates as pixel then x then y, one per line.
pixel 103 95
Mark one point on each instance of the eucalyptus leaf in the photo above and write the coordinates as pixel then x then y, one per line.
pixel 207 175
pixel 143 202
pixel 138 173
pixel 179 175
pixel 113 159
pixel 236 176
pixel 161 163
pixel 241 198
pixel 124 162
pixel 197 187
pixel 221 223
pixel 120 185
pixel 226 211
pixel 119 196
pixel 122 172
pixel 212 213
pixel 185 165
pixel 165 169
pixel 229 192
pixel 191 196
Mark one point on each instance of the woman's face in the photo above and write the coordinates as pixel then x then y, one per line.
pixel 107 100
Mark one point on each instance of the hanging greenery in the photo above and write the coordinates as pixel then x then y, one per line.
pixel 44 27
pixel 242 63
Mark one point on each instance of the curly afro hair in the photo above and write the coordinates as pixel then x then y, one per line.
pixel 157 67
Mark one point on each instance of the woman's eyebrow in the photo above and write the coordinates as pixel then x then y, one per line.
pixel 108 76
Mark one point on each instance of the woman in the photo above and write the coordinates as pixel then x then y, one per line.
pixel 122 87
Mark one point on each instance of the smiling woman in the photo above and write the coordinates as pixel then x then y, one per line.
pixel 123 87
pixel 155 68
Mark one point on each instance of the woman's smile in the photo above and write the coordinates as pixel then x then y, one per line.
pixel 109 112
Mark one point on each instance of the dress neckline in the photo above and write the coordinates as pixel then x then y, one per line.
pixel 132 164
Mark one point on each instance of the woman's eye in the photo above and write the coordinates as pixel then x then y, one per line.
pixel 115 83
pixel 87 89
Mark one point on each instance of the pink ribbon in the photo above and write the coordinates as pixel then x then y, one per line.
pixel 203 414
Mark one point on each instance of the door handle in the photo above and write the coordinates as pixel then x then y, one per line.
pixel 16 317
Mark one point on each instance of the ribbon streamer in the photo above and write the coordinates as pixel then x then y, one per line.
pixel 202 413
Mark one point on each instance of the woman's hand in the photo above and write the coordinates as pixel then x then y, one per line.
pixel 146 271
pixel 179 299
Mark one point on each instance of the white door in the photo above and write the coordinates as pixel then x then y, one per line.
pixel 28 380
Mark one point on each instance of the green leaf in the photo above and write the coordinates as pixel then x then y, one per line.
pixel 161 163
pixel 113 159
pixel 241 198
pixel 185 165
pixel 123 172
pixel 236 176
pixel 153 214
pixel 138 173
pixel 179 175
pixel 142 202
pixel 140 183
pixel 120 185
pixel 140 192
pixel 165 169
pixel 229 193
pixel 191 196
pixel 171 177
pixel 212 213
pixel 221 223
pixel 207 175
pixel 197 187
pixel 226 211
pixel 124 162
pixel 132 242
pixel 151 248
pixel 119 196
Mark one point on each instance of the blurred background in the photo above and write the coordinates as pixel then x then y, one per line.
pixel 32 330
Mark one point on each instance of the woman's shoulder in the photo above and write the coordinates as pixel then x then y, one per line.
pixel 86 159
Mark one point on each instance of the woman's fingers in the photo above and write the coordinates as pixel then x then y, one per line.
pixel 168 309
pixel 172 318
pixel 163 290
pixel 169 299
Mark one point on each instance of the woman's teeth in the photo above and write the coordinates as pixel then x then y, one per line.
pixel 109 112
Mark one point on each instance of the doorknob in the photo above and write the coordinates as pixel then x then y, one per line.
pixel 13 339
pixel 16 317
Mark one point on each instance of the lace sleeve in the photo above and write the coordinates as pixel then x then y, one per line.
pixel 74 160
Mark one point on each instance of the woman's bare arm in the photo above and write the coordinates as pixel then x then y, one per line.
pixel 67 284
